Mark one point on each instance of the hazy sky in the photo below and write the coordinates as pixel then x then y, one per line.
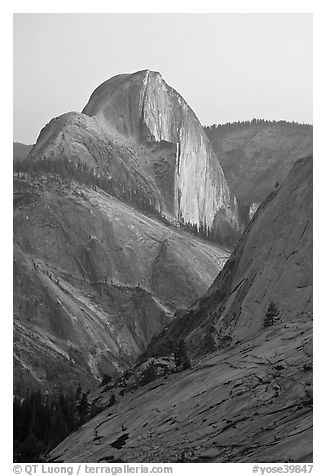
pixel 228 67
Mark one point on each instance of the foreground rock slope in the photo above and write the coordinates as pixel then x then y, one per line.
pixel 251 398
pixel 249 403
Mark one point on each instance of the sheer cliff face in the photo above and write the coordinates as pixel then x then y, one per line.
pixel 272 262
pixel 143 108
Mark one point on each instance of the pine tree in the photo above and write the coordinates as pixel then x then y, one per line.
pixel 59 426
pixel 112 400
pixel 181 356
pixel 82 408
pixel 31 448
pixel 270 314
pixel 106 378
pixel 149 374
pixel 78 392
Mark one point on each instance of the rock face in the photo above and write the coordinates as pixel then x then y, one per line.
pixel 94 280
pixel 256 155
pixel 252 403
pixel 138 128
pixel 250 399
pixel 272 262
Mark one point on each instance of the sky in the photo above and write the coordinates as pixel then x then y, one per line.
pixel 228 67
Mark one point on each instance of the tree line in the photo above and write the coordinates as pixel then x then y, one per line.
pixel 202 230
pixel 253 122
pixel 86 175
pixel 41 421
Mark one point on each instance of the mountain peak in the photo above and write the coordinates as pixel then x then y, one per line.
pixel 138 124
pixel 143 108
pixel 148 72
pixel 118 101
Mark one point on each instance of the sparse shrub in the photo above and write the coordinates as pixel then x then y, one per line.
pixel 224 340
pixel 181 356
pixel 279 367
pixel 112 400
pixel 83 407
pixel 149 374
pixel 209 343
pixel 308 398
pixel 271 313
pixel 307 367
pixel 105 380
pixel 95 409
pixel 105 389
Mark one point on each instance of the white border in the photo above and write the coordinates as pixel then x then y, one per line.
pixel 169 6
